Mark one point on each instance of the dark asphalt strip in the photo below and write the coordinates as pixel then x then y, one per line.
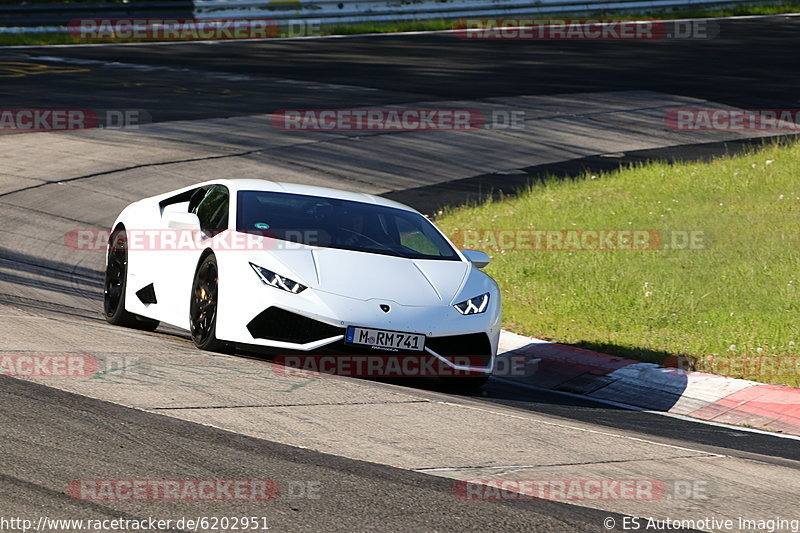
pixel 750 63
pixel 566 408
pixel 668 430
pixel 50 437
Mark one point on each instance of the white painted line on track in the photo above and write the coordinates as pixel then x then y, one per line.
pixel 386 34
pixel 578 428
pixel 531 467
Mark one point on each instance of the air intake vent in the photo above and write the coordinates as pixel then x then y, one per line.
pixel 476 345
pixel 280 325
pixel 147 295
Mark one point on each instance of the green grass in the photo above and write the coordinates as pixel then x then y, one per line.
pixel 764 8
pixel 738 297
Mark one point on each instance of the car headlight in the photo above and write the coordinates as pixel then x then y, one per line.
pixel 272 279
pixel 473 306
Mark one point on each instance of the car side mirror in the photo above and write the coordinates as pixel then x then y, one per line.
pixel 477 258
pixel 188 221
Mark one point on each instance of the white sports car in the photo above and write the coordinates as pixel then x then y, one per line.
pixel 304 270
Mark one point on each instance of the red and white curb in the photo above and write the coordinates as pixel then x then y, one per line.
pixel 649 386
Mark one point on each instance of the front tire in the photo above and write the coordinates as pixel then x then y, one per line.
pixel 116 280
pixel 203 307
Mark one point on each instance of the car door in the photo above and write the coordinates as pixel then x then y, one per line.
pixel 212 207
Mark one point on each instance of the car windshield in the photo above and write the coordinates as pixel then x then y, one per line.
pixel 343 224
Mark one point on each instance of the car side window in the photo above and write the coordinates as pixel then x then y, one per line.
pixel 212 210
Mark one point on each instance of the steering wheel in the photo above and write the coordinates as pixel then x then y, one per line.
pixel 367 237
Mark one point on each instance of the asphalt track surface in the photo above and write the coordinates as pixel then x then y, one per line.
pixel 67 435
pixel 49 435
pixel 750 64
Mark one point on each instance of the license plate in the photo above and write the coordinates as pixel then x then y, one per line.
pixel 380 338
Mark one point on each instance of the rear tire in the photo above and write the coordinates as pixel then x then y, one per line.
pixel 203 307
pixel 116 280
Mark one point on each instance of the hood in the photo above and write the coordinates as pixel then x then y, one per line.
pixel 367 276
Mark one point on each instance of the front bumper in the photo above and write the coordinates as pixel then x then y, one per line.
pixel 284 329
pixel 462 349
pixel 251 314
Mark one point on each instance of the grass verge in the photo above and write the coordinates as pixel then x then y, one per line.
pixel 765 8
pixel 730 299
